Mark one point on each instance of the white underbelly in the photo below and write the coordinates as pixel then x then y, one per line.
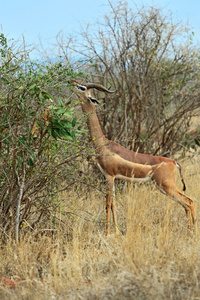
pixel 125 178
pixel 132 179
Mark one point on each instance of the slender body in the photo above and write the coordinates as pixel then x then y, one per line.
pixel 115 161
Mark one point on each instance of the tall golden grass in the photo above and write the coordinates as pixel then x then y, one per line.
pixel 154 257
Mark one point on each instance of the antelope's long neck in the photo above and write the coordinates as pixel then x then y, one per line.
pixel 97 137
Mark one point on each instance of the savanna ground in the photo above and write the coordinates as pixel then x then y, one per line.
pixel 153 258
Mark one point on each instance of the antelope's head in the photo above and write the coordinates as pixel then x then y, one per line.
pixel 83 91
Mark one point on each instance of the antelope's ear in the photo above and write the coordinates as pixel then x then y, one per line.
pixel 94 101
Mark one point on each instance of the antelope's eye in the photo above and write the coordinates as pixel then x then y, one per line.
pixel 94 101
pixel 82 88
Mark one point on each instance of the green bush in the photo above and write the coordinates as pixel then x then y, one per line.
pixel 38 130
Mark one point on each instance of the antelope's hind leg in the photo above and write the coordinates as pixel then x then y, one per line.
pixel 185 201
pixel 188 204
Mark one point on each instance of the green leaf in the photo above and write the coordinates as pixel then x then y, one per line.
pixel 30 162
pixel 61 111
pixel 66 123
pixel 73 136
pixel 74 121
pixel 68 114
pixel 45 94
pixel 33 155
pixel 32 86
pixel 49 129
pixel 54 134
pixel 60 102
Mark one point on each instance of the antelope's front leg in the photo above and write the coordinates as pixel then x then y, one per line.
pixel 110 205
pixel 108 211
pixel 113 208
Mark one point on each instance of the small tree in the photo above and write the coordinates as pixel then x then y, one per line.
pixel 38 130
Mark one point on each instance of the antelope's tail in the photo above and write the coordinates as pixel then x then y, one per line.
pixel 181 175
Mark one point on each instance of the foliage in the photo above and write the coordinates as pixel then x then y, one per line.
pixel 37 137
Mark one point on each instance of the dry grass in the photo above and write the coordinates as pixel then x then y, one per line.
pixel 153 258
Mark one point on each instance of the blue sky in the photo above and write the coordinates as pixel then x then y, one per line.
pixel 45 18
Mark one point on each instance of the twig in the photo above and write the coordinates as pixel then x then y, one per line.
pixel 21 189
